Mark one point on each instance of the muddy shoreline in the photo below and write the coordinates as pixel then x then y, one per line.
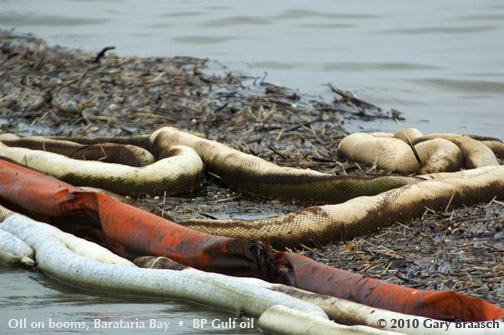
pixel 55 91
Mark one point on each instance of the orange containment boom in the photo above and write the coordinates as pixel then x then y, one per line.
pixel 140 232
pixel 306 274
pixel 143 233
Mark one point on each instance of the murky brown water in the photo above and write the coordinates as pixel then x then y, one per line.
pixel 440 63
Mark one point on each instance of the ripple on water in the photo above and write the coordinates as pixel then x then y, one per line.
pixel 472 86
pixel 483 17
pixel 304 13
pixel 202 39
pixel 177 14
pixel 236 21
pixel 438 30
pixel 366 66
pixel 31 19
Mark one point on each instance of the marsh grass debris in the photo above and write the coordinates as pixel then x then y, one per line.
pixel 49 90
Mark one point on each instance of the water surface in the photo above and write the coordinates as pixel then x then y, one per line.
pixel 33 303
pixel 440 63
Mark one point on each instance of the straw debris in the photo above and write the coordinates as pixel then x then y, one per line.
pixel 54 91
